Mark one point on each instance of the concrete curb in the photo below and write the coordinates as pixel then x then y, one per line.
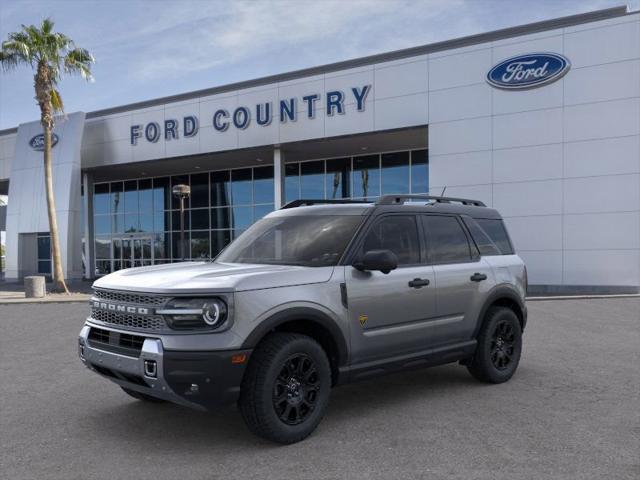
pixel 581 297
pixel 73 298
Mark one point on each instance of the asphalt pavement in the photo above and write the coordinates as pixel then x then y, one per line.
pixel 572 411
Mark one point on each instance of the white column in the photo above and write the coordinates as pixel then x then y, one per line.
pixel 278 177
pixel 87 184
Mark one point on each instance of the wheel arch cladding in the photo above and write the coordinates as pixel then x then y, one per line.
pixel 503 297
pixel 312 323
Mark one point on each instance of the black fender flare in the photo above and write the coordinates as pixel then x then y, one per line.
pixel 308 314
pixel 498 293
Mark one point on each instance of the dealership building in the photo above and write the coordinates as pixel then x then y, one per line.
pixel 541 121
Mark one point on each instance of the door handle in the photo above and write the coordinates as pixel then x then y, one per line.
pixel 478 277
pixel 418 283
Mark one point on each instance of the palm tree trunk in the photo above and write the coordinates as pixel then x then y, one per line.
pixel 59 284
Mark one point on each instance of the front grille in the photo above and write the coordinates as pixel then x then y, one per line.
pixel 129 298
pixel 129 321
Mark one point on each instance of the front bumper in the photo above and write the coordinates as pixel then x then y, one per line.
pixel 200 380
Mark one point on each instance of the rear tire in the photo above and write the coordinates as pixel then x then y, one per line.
pixel 285 390
pixel 499 347
pixel 141 396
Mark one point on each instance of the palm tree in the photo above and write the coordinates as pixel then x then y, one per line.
pixel 50 55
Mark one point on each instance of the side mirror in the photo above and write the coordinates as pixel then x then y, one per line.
pixel 382 260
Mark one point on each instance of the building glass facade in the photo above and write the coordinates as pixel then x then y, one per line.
pixel 137 222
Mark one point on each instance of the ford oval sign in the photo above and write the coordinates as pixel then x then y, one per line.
pixel 37 142
pixel 528 71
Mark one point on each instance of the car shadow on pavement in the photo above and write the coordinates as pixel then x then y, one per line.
pixel 162 424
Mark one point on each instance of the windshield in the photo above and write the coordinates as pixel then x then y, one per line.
pixel 310 241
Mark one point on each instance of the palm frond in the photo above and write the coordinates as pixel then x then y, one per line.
pixel 79 61
pixel 56 101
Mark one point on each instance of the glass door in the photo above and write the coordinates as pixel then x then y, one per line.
pixel 132 251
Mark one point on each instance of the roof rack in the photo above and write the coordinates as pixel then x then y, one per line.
pixel 400 199
pixel 308 202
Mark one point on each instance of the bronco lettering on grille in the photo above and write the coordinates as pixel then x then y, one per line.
pixel 122 308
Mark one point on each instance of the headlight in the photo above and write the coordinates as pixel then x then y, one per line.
pixel 194 313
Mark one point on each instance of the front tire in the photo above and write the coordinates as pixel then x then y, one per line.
pixel 285 390
pixel 499 347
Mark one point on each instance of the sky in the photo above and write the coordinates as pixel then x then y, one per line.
pixel 149 49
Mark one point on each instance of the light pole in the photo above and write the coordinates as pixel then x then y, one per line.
pixel 182 192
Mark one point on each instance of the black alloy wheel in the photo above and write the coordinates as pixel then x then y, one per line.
pixel 499 346
pixel 296 388
pixel 502 345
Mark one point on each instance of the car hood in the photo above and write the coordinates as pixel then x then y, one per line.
pixel 195 277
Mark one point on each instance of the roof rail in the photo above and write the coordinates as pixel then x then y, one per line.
pixel 308 202
pixel 400 199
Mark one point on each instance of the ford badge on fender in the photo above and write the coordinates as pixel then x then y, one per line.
pixel 528 71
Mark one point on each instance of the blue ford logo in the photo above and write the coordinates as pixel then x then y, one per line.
pixel 37 142
pixel 528 71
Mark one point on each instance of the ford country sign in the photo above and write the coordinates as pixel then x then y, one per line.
pixel 37 142
pixel 528 71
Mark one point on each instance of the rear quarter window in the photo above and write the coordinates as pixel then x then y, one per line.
pixel 497 233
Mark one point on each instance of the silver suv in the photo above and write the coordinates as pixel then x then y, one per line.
pixel 316 294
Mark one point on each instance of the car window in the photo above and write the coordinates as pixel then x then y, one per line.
pixel 310 241
pixel 497 232
pixel 398 233
pixel 446 240
pixel 482 239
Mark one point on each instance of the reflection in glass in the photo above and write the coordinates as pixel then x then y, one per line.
pixel 337 179
pixel 241 186
pixel 200 190
pixel 200 219
pixel 101 198
pixel 420 171
pixel 263 185
pixel 292 182
pixel 199 245
pixel 44 247
pixel 395 172
pixel 242 217
pixel 131 203
pixel 161 194
pixel 131 223
pixel 366 176
pixel 102 224
pixel 161 221
pixel 103 247
pixel 145 195
pixel 260 211
pixel 312 179
pixel 117 198
pixel 219 240
pixel 160 242
pixel 175 220
pixel 146 222
pixel 220 218
pixel 220 189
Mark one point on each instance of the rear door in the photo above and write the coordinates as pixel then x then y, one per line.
pixel 389 314
pixel 462 277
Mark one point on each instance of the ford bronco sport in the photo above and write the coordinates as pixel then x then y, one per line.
pixel 316 294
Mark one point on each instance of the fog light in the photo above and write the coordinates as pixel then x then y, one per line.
pixel 150 369
pixel 81 349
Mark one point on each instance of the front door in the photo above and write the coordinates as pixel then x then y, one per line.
pixel 132 251
pixel 390 314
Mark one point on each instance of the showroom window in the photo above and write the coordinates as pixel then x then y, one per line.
pixel 360 177
pixel 137 222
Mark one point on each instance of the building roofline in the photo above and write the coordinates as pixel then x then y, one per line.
pixel 494 35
